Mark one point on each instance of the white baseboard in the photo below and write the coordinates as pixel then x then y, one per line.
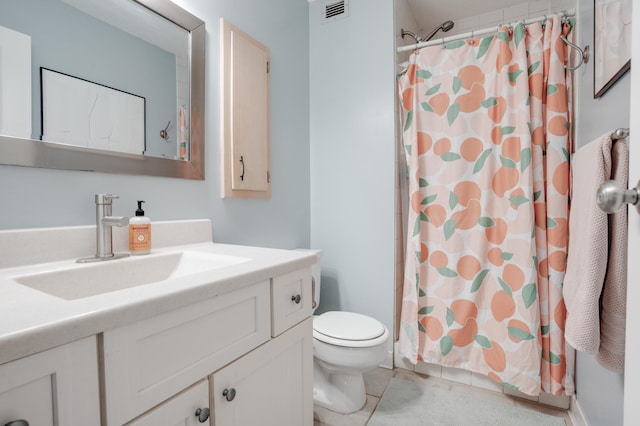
pixel 388 361
pixel 399 362
pixel 575 413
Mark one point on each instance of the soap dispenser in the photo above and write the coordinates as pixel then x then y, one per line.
pixel 140 232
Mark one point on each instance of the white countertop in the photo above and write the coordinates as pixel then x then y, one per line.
pixel 32 321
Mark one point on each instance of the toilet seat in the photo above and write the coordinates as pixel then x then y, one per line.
pixel 349 329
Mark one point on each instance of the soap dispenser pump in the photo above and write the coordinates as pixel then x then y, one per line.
pixel 140 232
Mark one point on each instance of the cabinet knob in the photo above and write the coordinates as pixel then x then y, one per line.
pixel 296 298
pixel 229 394
pixel 18 423
pixel 202 414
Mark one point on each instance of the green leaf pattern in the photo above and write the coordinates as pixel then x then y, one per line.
pixel 452 113
pixel 449 228
pixel 446 344
pixel 433 90
pixel 453 200
pixel 484 46
pixel 424 74
pixel 486 222
pixel 481 160
pixel 477 281
pixel 425 106
pixel 482 341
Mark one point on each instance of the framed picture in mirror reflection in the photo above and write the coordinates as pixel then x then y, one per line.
pixel 83 113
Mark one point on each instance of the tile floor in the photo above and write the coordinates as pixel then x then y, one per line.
pixel 376 381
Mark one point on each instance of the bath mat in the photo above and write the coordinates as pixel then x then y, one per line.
pixel 407 403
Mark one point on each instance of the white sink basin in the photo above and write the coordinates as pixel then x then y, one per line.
pixel 84 280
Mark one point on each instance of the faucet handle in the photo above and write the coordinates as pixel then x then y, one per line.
pixel 105 198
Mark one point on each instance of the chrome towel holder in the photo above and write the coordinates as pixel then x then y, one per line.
pixel 611 196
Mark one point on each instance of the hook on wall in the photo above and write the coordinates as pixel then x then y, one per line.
pixel 584 54
pixel 163 133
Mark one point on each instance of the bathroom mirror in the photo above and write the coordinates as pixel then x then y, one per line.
pixel 151 51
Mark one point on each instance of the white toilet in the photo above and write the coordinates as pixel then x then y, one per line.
pixel 345 345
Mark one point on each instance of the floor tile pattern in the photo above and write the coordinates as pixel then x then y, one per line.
pixel 376 381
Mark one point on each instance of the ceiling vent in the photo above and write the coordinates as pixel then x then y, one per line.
pixel 333 10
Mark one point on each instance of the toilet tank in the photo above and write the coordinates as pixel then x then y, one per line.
pixel 315 273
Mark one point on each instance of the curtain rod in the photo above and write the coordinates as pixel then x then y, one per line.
pixel 564 14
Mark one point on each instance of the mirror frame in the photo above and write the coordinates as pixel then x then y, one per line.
pixel 50 155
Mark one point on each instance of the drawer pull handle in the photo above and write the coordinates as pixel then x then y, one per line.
pixel 18 423
pixel 296 298
pixel 229 394
pixel 202 414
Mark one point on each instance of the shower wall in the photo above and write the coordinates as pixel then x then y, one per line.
pixel 518 12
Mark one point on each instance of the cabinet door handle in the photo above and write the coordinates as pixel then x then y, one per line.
pixel 202 414
pixel 313 293
pixel 229 394
pixel 18 423
pixel 296 298
pixel 242 163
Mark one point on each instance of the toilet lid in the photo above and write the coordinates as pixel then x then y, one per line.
pixel 348 326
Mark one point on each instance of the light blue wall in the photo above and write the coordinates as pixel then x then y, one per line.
pixel 599 391
pixel 352 156
pixel 43 198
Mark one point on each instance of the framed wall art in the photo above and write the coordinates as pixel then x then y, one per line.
pixel 612 34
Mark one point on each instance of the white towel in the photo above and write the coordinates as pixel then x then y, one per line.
pixel 597 249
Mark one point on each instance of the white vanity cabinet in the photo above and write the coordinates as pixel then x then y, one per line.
pixel 271 386
pixel 58 386
pixel 220 354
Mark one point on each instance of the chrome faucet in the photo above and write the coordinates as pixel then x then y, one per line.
pixel 104 223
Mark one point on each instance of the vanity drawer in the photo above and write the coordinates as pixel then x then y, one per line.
pixel 147 362
pixel 291 300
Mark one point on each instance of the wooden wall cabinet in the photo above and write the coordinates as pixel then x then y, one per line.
pixel 246 157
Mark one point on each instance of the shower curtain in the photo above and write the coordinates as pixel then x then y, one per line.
pixel 486 138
